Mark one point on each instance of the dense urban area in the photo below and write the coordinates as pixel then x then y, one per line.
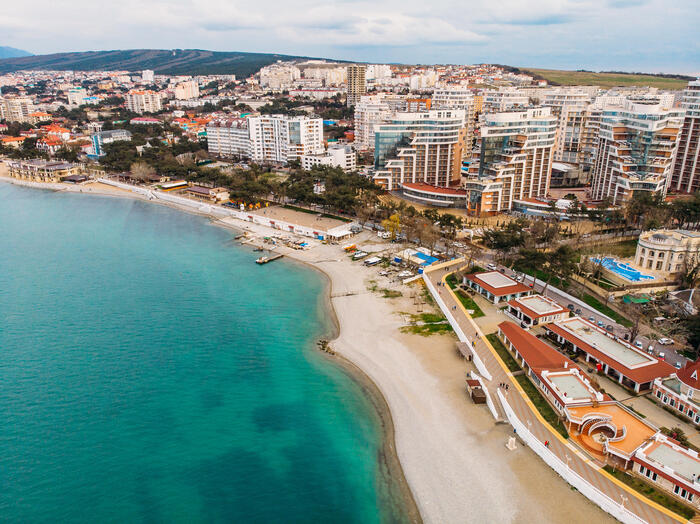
pixel 554 229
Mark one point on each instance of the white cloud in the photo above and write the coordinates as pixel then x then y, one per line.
pixel 573 33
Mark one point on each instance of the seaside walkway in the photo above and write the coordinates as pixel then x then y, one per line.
pixel 606 491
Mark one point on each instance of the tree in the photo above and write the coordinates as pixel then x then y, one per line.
pixel 393 225
pixel 142 172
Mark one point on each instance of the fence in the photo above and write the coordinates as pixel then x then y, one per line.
pixel 592 493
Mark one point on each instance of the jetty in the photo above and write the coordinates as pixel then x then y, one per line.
pixel 265 260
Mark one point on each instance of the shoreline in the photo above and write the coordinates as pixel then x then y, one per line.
pixel 443 454
pixel 389 464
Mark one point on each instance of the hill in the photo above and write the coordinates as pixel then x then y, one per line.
pixel 172 61
pixel 589 78
pixel 11 52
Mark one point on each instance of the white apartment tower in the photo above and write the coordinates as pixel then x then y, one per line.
pixel 229 138
pixel 143 101
pixel 187 90
pixel 570 108
pixel 686 169
pixel 76 96
pixel 16 109
pixel 636 145
pixel 456 97
pixel 280 138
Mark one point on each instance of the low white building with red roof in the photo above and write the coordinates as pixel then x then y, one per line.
pixel 534 310
pixel 681 391
pixel 496 286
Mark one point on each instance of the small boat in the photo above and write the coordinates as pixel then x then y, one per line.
pixel 262 260
pixel 258 249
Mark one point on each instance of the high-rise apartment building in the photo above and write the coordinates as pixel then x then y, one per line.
pixel 16 109
pixel 76 96
pixel 420 148
pixel 515 163
pixel 187 90
pixel 456 97
pixel 143 101
pixel 370 111
pixel 281 138
pixel 147 75
pixel 685 177
pixel 635 149
pixel 357 83
pixel 504 99
pixel 569 106
pixel 229 138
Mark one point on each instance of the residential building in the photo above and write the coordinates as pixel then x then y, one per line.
pixel 669 251
pixel 147 75
pixel 278 76
pixel 685 177
pixel 515 160
pixel 76 96
pixel 143 101
pixel 569 106
pixel 370 111
pixel 424 147
pixel 357 83
pixel 187 90
pixel 229 138
pixel 337 155
pixel 280 138
pixel 504 99
pixel 107 137
pixel 16 109
pixel 210 194
pixel 456 97
pixel 636 145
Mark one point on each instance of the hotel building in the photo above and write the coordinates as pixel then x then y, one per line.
pixel 370 111
pixel 681 391
pixel 534 310
pixel 496 286
pixel 458 98
pixel 143 101
pixel 569 106
pixel 635 149
pixel 424 147
pixel 515 161
pixel 337 155
pixel 685 177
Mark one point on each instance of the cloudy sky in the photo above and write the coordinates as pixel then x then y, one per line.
pixel 630 35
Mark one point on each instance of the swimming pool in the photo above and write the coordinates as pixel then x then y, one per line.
pixel 624 270
pixel 427 258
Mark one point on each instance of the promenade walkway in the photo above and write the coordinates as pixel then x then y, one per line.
pixel 623 502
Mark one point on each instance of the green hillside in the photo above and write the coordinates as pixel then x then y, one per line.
pixel 173 61
pixel 589 78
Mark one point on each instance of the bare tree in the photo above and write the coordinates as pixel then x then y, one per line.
pixel 142 172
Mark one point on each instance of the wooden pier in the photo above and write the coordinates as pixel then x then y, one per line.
pixel 265 260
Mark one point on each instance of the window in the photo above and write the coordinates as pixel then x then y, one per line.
pixel 658 393
pixel 672 402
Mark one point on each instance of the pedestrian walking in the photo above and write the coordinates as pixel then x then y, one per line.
pixel 546 443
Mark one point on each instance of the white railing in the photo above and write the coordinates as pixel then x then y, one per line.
pixel 592 493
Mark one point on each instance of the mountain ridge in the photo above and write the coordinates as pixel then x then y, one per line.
pixel 12 52
pixel 162 61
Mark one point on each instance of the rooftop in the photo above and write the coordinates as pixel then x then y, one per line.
pixel 537 305
pixel 683 464
pixel 497 283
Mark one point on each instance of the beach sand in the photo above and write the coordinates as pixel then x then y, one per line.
pixel 451 451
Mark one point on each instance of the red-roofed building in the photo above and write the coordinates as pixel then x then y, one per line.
pixel 564 385
pixel 681 391
pixel 534 310
pixel 49 145
pixel 627 364
pixel 496 286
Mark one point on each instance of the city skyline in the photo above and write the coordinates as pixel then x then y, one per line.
pixel 573 34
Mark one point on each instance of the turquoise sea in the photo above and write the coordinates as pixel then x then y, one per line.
pixel 151 372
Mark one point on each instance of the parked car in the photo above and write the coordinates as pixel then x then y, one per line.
pixel 638 344
pixel 591 319
pixel 665 341
pixel 610 328
pixel 491 266
pixel 662 355
pixel 601 324
pixel 650 349
pixel 678 365
pixel 627 336
pixel 570 307
pixel 578 311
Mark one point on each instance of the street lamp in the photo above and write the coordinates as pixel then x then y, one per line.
pixel 624 499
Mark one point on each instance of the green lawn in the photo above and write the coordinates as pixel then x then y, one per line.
pixel 586 78
pixel 542 405
pixel 652 493
pixel 426 324
pixel 509 360
pixel 468 302
pixel 605 310
pixel 624 249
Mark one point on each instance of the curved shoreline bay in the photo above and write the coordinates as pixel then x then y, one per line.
pixel 151 371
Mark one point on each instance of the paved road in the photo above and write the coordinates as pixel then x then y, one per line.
pixel 525 411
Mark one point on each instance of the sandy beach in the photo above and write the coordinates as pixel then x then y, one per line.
pixel 451 452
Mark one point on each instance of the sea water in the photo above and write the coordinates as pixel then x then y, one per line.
pixel 150 371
